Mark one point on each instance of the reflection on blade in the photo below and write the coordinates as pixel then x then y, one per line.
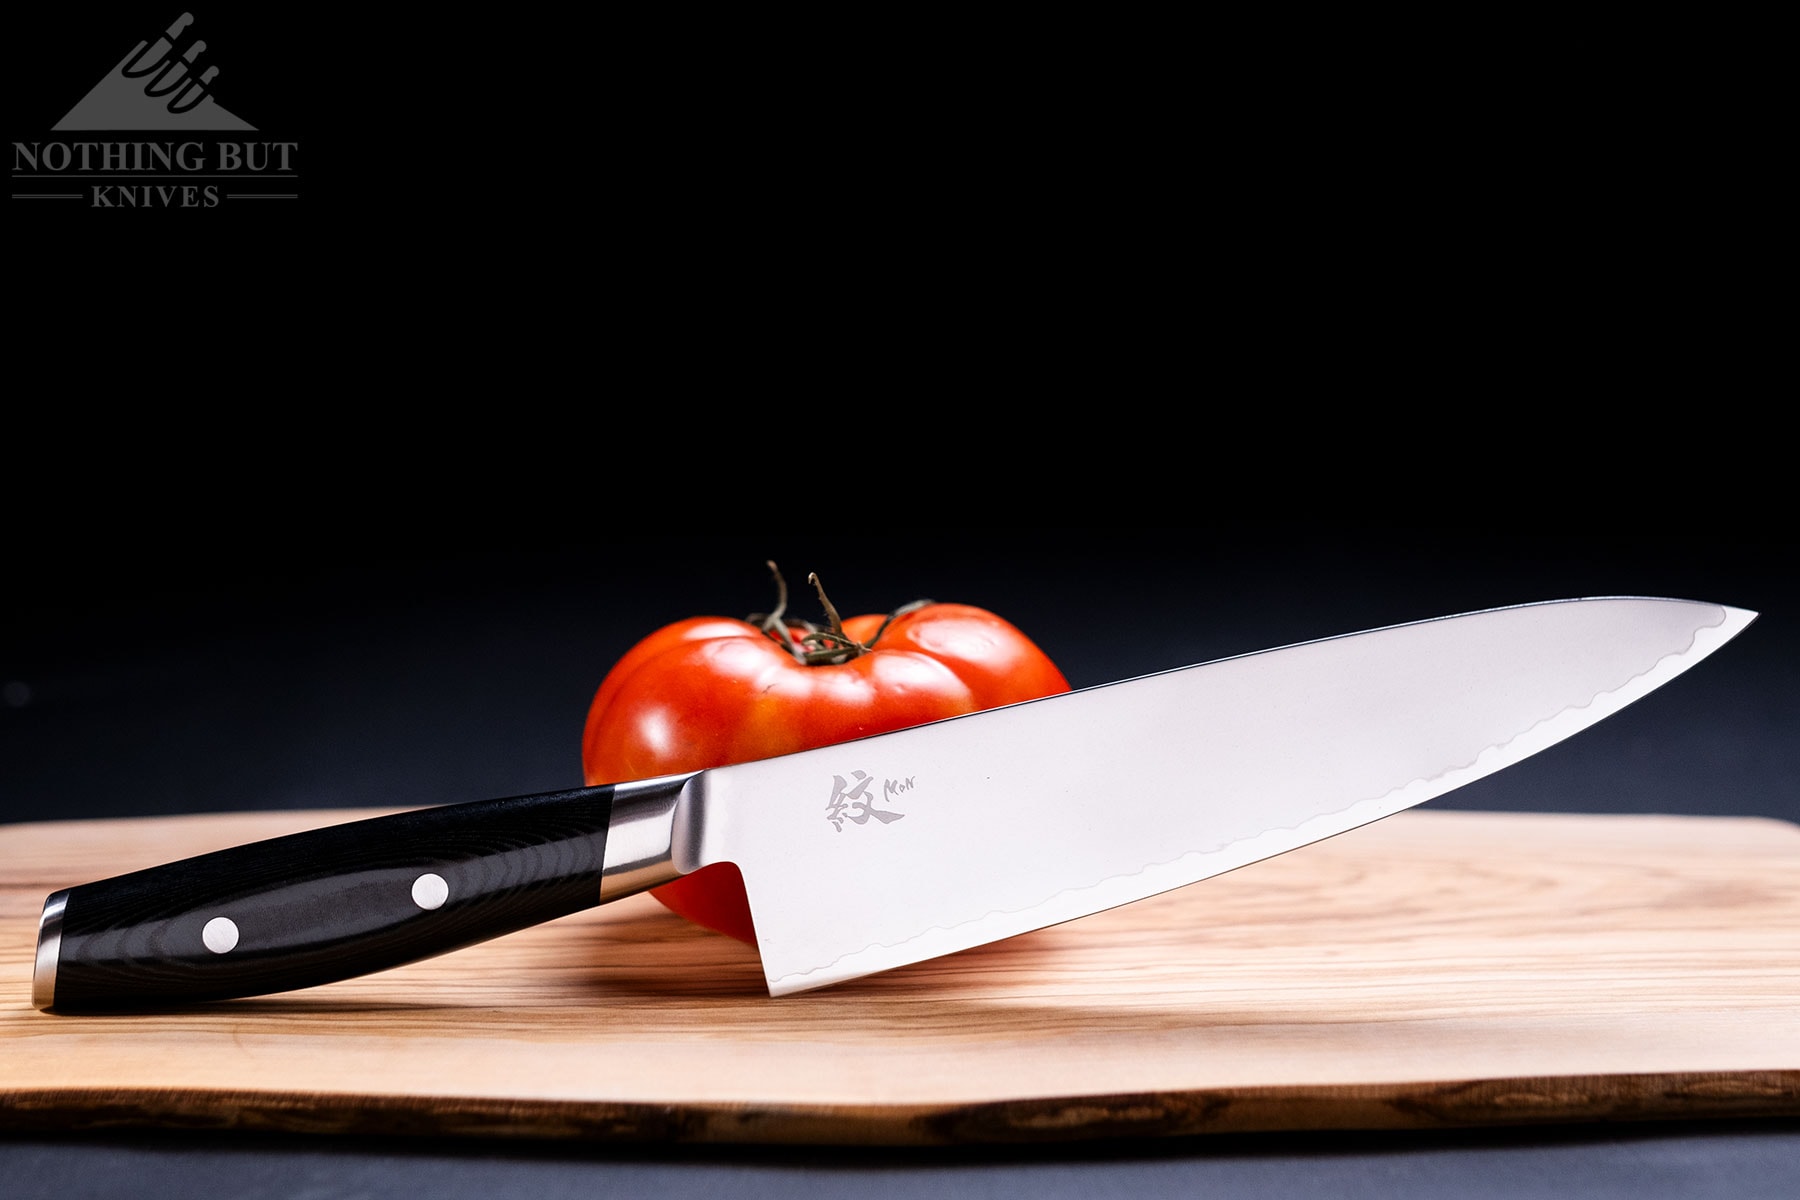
pixel 1055 809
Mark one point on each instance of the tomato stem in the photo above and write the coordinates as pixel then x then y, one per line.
pixel 830 646
pixel 819 647
pixel 837 624
pixel 773 624
pixel 898 612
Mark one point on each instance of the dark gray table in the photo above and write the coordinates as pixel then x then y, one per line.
pixel 370 664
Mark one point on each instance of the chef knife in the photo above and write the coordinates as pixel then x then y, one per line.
pixel 872 854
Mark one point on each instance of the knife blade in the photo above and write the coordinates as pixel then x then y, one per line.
pixel 869 855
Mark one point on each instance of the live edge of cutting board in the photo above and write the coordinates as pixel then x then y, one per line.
pixel 1437 969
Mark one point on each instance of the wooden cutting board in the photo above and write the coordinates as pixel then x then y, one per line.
pixel 1440 968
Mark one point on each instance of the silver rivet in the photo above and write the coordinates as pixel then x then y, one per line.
pixel 430 891
pixel 220 934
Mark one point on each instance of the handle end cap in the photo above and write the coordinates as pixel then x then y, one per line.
pixel 49 951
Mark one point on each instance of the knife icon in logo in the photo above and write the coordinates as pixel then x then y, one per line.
pixel 156 86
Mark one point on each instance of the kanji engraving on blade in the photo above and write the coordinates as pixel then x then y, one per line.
pixel 851 800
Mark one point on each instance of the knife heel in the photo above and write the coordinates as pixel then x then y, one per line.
pixel 344 900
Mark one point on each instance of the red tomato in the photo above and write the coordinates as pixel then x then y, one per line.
pixel 708 691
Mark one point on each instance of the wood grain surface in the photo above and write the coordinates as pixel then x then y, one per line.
pixel 1439 968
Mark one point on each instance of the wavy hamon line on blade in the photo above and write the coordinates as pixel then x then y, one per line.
pixel 1196 865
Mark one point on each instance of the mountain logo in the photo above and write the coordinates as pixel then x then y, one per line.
pixel 157 86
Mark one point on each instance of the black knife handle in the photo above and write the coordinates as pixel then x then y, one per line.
pixel 323 905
